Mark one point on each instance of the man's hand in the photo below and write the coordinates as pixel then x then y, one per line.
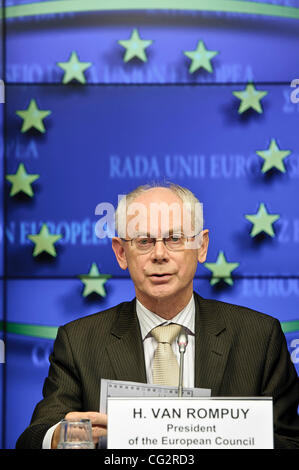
pixel 98 422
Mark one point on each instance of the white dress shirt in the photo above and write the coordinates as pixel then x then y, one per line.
pixel 149 320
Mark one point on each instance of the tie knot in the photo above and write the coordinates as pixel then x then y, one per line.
pixel 166 334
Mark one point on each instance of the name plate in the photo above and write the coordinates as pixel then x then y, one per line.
pixel 190 423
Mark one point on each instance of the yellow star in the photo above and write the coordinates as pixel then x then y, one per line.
pixel 21 181
pixel 44 241
pixel 273 157
pixel 33 117
pixel 262 221
pixel 221 270
pixel 250 98
pixel 94 281
pixel 135 47
pixel 201 57
pixel 74 69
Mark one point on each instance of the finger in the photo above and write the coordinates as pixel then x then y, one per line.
pixel 98 432
pixel 95 417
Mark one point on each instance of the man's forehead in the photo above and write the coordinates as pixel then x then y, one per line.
pixel 159 218
pixel 158 212
pixel 157 195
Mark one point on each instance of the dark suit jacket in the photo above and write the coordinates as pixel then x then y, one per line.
pixel 238 352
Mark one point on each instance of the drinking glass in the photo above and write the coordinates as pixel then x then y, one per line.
pixel 76 435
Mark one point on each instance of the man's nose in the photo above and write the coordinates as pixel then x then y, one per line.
pixel 160 251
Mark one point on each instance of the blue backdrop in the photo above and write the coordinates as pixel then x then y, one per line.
pixel 125 123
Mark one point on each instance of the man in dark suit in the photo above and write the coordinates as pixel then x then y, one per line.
pixel 232 350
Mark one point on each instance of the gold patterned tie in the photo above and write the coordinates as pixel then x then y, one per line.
pixel 165 366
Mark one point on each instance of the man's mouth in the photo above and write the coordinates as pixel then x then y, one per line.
pixel 160 276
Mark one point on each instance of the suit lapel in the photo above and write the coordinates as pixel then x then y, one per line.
pixel 212 344
pixel 125 349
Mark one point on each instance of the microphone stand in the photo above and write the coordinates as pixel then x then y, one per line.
pixel 182 343
pixel 180 388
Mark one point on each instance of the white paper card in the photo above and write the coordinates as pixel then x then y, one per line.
pixel 120 388
pixel 190 423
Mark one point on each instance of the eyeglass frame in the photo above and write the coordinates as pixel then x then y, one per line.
pixel 159 240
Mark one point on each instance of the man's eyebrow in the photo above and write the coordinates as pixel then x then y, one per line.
pixel 177 231
pixel 165 235
pixel 142 234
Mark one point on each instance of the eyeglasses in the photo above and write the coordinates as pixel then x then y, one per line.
pixel 172 243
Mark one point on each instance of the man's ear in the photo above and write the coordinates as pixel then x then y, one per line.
pixel 119 251
pixel 203 250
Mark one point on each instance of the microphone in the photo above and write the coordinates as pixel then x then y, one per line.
pixel 182 343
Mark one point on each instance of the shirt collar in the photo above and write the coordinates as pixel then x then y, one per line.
pixel 149 320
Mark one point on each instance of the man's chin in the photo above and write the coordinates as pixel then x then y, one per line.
pixel 161 291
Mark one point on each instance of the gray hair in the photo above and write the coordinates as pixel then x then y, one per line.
pixel 184 194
